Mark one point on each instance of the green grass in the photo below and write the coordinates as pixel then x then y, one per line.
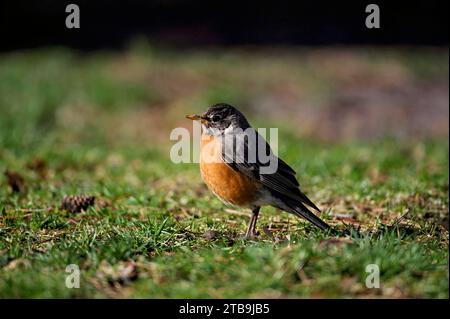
pixel 89 127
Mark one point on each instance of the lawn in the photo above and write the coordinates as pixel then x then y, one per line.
pixel 98 124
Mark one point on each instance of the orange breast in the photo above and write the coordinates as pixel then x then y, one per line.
pixel 230 186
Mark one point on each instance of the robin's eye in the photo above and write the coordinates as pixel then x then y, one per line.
pixel 215 118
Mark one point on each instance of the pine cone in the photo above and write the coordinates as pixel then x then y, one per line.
pixel 77 203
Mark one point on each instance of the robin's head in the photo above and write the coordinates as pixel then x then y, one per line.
pixel 220 118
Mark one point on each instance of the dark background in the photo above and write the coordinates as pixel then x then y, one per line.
pixel 111 24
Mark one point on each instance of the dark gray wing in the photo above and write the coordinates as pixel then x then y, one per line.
pixel 237 152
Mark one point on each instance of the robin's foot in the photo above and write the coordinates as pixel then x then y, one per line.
pixel 250 236
pixel 246 236
pixel 251 230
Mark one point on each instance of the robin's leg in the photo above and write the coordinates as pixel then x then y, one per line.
pixel 252 224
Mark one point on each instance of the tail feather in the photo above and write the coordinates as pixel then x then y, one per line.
pixel 308 202
pixel 300 210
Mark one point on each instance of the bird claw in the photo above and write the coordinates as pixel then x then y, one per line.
pixel 248 236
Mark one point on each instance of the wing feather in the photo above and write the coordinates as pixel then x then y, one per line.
pixel 283 183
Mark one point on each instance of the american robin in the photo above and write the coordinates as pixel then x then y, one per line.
pixel 231 165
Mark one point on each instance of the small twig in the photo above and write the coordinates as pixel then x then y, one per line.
pixel 398 220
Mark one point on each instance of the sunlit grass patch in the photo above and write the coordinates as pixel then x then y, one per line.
pixel 98 125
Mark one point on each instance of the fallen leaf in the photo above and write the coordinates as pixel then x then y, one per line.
pixel 16 263
pixel 128 273
pixel 15 181
pixel 211 235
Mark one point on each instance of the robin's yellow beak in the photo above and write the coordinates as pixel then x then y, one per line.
pixel 196 117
